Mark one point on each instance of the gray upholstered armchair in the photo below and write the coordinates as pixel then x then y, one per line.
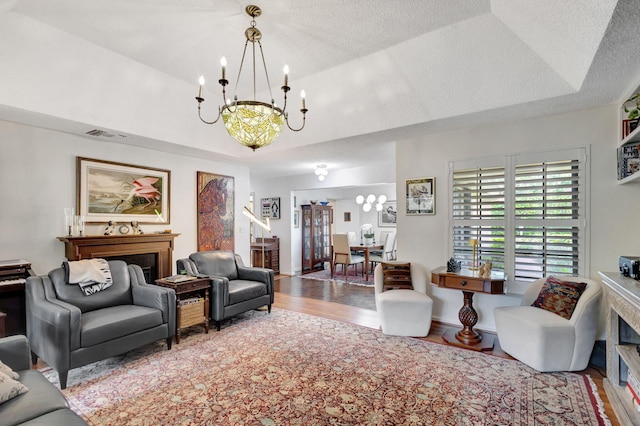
pixel 68 329
pixel 235 288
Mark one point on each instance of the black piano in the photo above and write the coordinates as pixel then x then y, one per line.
pixel 13 276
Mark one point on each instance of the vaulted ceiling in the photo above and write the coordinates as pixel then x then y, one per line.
pixel 375 71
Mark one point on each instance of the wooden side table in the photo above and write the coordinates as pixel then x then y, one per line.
pixel 190 312
pixel 469 282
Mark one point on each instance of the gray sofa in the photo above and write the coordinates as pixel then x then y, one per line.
pixel 43 404
pixel 235 288
pixel 68 329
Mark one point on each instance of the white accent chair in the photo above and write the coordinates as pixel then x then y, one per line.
pixel 544 340
pixel 404 312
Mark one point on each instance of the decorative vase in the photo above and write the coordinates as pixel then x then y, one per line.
pixel 368 241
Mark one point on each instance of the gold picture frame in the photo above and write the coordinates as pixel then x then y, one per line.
pixel 111 191
pixel 421 196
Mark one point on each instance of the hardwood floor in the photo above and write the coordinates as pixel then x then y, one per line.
pixel 356 305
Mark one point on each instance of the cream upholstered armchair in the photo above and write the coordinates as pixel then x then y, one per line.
pixel 544 340
pixel 402 303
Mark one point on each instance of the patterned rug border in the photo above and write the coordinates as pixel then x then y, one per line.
pixel 596 401
pixel 85 378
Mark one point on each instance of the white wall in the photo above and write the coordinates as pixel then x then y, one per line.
pixel 613 227
pixel 38 180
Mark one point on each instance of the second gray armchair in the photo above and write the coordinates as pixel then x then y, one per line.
pixel 235 288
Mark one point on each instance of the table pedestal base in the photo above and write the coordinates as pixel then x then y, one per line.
pixel 468 338
pixel 484 344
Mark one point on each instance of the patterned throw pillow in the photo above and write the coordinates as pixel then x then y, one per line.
pixel 559 297
pixel 8 371
pixel 396 276
pixel 9 388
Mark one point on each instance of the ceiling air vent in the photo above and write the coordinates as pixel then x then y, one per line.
pixel 96 132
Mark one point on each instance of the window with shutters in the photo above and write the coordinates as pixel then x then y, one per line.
pixel 478 212
pixel 527 213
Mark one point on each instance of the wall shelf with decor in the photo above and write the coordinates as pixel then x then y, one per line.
pixel 628 150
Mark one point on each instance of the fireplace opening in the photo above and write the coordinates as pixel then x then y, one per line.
pixel 147 261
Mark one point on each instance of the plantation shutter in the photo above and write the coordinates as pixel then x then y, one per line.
pixel 478 212
pixel 527 211
pixel 547 213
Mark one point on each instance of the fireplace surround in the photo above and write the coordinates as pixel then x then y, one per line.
pixel 152 252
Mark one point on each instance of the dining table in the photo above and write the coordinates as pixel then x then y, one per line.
pixel 366 249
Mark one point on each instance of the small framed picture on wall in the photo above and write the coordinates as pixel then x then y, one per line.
pixel 387 216
pixel 270 207
pixel 296 218
pixel 347 216
pixel 421 196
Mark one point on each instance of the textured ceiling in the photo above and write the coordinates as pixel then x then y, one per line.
pixel 375 72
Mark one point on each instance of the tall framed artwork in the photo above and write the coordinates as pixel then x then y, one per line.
pixel 119 192
pixel 421 196
pixel 216 194
pixel 387 216
pixel 270 207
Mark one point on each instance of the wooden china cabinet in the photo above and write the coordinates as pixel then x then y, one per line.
pixel 316 237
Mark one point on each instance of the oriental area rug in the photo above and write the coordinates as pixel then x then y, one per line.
pixel 351 278
pixel 288 368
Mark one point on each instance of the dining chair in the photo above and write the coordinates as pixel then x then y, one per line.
pixel 342 255
pixel 394 254
pixel 353 239
pixel 387 238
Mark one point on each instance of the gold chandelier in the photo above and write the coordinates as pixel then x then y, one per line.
pixel 252 123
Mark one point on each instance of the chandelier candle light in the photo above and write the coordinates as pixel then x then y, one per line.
pixel 252 123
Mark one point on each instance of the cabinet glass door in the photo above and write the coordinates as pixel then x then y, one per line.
pixel 317 237
pixel 306 233
pixel 326 234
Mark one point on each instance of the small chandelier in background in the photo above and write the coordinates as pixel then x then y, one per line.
pixel 321 171
pixel 366 206
pixel 252 123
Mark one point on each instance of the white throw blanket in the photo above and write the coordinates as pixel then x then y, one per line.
pixel 92 275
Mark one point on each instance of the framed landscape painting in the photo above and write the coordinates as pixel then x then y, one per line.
pixel 421 196
pixel 118 192
pixel 215 212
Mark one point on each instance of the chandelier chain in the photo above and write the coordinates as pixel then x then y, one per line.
pixel 264 64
